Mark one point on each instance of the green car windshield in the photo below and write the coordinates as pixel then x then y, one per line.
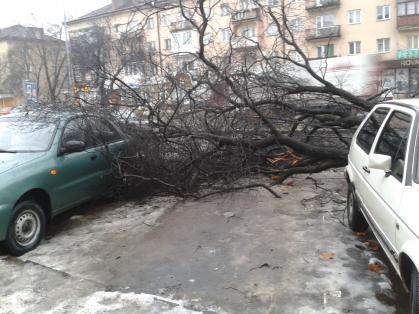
pixel 25 136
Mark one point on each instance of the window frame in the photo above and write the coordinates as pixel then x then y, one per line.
pixel 389 45
pixel 349 17
pixel 357 44
pixel 372 148
pixel 382 8
pixel 380 134
pixel 325 51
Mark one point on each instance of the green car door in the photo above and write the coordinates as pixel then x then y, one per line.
pixel 78 169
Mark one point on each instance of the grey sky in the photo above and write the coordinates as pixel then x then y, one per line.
pixel 43 12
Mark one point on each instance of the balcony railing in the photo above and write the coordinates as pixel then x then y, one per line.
pixel 326 32
pixel 245 15
pixel 319 4
pixel 408 54
pixel 242 42
pixel 408 22
pixel 180 26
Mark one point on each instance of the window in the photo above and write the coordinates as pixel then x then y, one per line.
pixel 75 130
pixel 246 5
pixel 413 42
pixel 393 142
pixel 182 39
pixel 324 21
pixel 272 30
pixel 354 47
pixel 207 12
pixel 103 132
pixel 150 23
pixel 168 44
pixel 383 12
pixel 166 20
pixel 225 35
pixel 408 8
pixel 354 17
pixel 151 45
pixel 248 32
pixel 225 9
pixel 272 3
pixel 296 25
pixel 370 129
pixel 325 51
pixel 207 38
pixel 383 45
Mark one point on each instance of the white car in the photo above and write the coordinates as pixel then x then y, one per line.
pixel 383 180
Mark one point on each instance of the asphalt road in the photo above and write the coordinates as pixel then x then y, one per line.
pixel 243 252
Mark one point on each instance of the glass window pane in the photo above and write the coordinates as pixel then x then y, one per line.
pixel 401 9
pixel 369 130
pixel 393 142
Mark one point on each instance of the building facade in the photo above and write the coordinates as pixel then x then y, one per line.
pixel 377 39
pixel 33 66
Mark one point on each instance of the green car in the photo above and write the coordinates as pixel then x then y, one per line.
pixel 49 164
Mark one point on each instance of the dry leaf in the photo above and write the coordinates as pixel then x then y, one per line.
pixel 361 234
pixel 327 256
pixel 375 268
pixel 372 245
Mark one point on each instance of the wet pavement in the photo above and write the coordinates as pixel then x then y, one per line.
pixel 243 252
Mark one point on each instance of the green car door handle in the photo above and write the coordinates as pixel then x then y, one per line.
pixel 93 157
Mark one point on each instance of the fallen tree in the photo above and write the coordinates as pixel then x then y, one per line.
pixel 249 110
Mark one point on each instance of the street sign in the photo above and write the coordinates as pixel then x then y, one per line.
pixel 30 92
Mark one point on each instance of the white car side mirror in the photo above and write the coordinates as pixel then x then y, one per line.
pixel 380 162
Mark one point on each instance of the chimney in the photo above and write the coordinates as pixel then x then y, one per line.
pixel 116 4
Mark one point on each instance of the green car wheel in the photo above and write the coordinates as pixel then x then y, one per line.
pixel 26 228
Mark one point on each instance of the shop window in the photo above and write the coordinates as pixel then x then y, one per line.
pixel 402 80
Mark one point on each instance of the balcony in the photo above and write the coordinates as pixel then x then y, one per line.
pixel 321 4
pixel 408 54
pixel 181 26
pixel 321 33
pixel 244 43
pixel 408 22
pixel 250 14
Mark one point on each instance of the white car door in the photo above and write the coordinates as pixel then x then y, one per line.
pixel 387 187
pixel 360 151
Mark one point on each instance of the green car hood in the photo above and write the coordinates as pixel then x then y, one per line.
pixel 10 161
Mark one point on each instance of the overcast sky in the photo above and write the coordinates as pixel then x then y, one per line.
pixel 44 12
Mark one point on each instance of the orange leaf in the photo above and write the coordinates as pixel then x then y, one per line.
pixel 327 256
pixel 375 268
pixel 372 245
pixel 361 234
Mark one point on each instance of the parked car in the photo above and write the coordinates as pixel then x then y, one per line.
pixel 383 180
pixel 49 164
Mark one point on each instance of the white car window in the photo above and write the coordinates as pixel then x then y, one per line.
pixel 393 141
pixel 370 129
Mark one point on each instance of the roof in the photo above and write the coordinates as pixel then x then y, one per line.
pixel 125 5
pixel 24 32
pixel 411 102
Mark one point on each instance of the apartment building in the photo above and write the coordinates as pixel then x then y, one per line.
pixel 32 66
pixel 382 35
